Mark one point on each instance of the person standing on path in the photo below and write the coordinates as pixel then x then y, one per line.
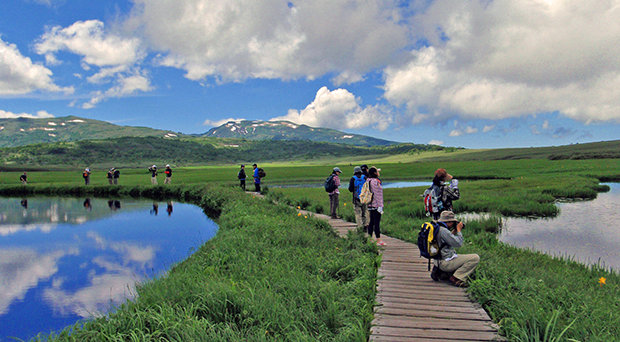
pixel 168 173
pixel 333 195
pixel 375 208
pixel 111 176
pixel 355 187
pixel 256 178
pixel 153 170
pixel 445 192
pixel 117 173
pixel 241 176
pixel 24 179
pixel 86 176
pixel 449 238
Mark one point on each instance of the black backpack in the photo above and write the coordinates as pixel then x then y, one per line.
pixel 428 242
pixel 261 173
pixel 330 183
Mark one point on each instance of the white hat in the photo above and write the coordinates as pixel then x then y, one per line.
pixel 167 165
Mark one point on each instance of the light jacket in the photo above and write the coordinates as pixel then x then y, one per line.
pixel 449 242
pixel 377 193
pixel 337 182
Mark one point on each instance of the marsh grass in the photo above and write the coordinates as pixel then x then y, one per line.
pixel 268 275
pixel 531 295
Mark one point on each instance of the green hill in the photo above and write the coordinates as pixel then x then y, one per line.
pixel 24 131
pixel 285 130
pixel 187 151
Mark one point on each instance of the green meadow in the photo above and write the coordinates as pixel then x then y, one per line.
pixel 270 275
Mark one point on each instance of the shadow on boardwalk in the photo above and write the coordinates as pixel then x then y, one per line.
pixel 412 307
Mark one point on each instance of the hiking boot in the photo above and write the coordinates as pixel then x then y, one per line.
pixel 457 282
pixel 436 273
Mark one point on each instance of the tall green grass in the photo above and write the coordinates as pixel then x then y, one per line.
pixel 532 296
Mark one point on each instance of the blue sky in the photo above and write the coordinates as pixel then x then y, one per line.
pixel 474 74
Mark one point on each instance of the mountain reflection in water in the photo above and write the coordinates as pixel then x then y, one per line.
pixel 63 259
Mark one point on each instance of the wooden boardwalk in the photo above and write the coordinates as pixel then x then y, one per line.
pixel 413 307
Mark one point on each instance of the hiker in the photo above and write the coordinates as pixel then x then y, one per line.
pixel 117 173
pixel 110 175
pixel 241 176
pixel 355 187
pixel 451 237
pixel 334 194
pixel 87 204
pixel 364 168
pixel 86 176
pixel 169 208
pixel 447 192
pixel 155 209
pixel 168 173
pixel 153 170
pixel 256 178
pixel 24 179
pixel 375 208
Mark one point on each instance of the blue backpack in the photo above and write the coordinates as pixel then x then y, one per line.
pixel 358 184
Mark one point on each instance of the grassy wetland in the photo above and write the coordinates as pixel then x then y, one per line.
pixel 271 275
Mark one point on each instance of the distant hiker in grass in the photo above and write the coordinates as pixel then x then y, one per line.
pixel 355 187
pixel 461 265
pixel 168 173
pixel 375 208
pixel 111 176
pixel 117 173
pixel 86 176
pixel 241 176
pixel 333 195
pixel 153 170
pixel 256 178
pixel 24 179
pixel 447 192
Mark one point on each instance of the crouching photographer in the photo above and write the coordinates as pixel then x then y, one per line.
pixel 459 265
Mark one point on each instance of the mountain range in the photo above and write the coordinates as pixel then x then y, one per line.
pixel 25 131
pixel 286 130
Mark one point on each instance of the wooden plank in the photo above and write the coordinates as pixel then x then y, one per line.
pixel 413 307
pixel 447 335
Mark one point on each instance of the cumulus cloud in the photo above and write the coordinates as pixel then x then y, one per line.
pixel 339 109
pixel 19 75
pixel 116 57
pixel 509 59
pixel 39 115
pixel 435 142
pixel 488 128
pixel 240 39
pixel 89 40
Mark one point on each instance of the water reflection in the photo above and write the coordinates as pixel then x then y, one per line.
pixel 584 230
pixel 66 259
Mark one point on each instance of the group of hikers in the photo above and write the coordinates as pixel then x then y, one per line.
pixel 114 174
pixel 367 191
pixel 257 174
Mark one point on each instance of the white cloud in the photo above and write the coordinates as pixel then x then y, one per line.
pixel 89 40
pixel 218 123
pixel 435 142
pixel 239 39
pixel 116 57
pixel 339 109
pixel 488 128
pixel 19 75
pixel 39 115
pixel 507 59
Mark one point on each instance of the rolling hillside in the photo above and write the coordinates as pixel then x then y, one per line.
pixel 24 131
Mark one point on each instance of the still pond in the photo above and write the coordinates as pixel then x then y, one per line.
pixel 64 259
